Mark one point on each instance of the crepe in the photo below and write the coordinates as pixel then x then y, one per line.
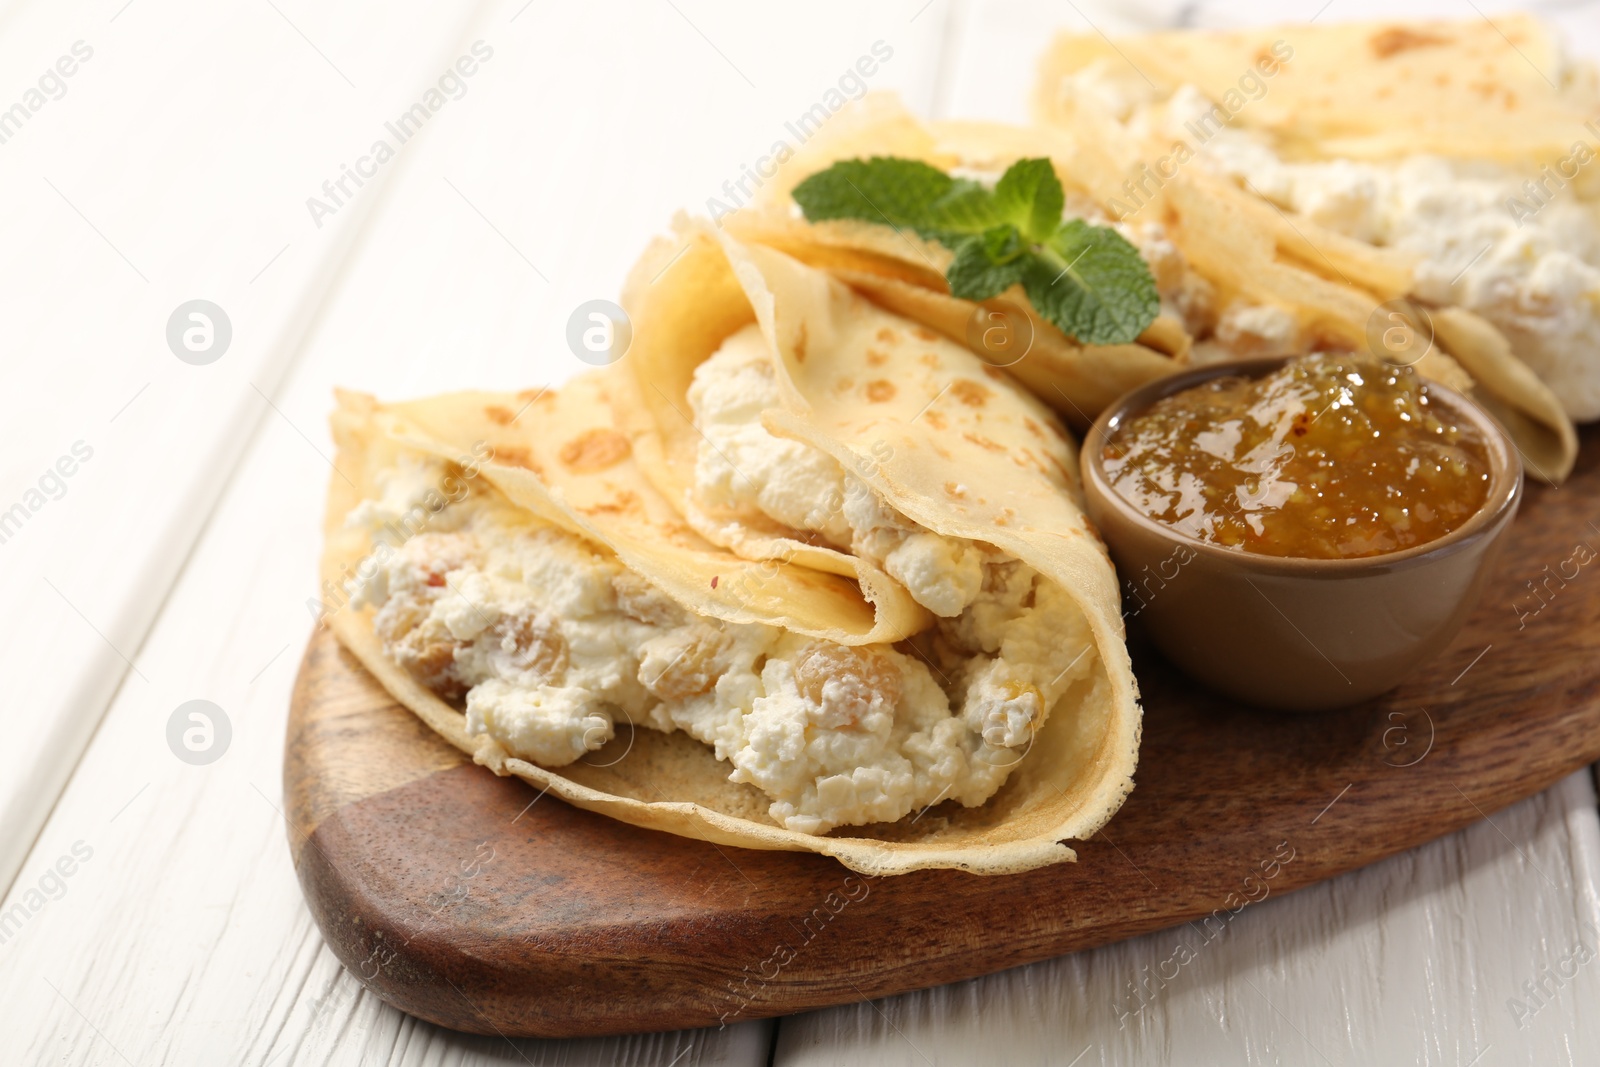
pixel 1380 93
pixel 904 273
pixel 1479 86
pixel 551 464
pixel 940 437
pixel 1230 245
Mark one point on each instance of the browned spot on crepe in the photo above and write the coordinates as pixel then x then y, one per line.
pixel 969 392
pixel 594 450
pixel 625 501
pixel 880 391
pixel 1397 39
pixel 516 456
pixel 984 442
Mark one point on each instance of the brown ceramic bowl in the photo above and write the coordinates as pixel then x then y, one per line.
pixel 1294 633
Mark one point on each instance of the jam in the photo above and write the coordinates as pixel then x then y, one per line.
pixel 1334 456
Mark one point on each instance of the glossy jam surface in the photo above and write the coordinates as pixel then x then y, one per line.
pixel 1334 456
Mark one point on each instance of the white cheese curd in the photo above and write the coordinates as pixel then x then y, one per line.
pixel 1105 86
pixel 1185 295
pixel 741 467
pixel 1028 644
pixel 1484 241
pixel 550 643
pixel 743 472
pixel 1535 276
pixel 1259 330
pixel 1017 637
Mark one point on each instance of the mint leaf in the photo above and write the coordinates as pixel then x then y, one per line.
pixel 1028 195
pixel 1087 280
pixel 885 190
pixel 1092 277
pixel 966 208
pixel 987 265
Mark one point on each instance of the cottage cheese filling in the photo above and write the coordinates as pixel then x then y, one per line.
pixel 551 642
pixel 1485 242
pixel 742 470
pixel 994 609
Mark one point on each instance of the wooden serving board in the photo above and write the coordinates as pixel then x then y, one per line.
pixel 474 902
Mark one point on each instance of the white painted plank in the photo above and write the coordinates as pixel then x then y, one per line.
pixel 174 165
pixel 183 938
pixel 180 937
pixel 1409 962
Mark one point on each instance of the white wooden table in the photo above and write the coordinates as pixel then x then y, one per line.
pixel 151 913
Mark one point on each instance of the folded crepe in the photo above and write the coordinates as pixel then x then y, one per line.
pixel 1238 277
pixel 1473 86
pixel 534 577
pixel 1362 182
pixel 905 274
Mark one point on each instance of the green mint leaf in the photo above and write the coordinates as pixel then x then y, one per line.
pixel 1028 195
pixel 967 208
pixel 1093 284
pixel 988 264
pixel 885 190
pixel 1087 280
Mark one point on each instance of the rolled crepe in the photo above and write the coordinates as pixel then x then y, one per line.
pixel 788 412
pixel 521 585
pixel 1367 90
pixel 1377 93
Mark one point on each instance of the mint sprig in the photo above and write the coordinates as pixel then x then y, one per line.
pixel 1087 280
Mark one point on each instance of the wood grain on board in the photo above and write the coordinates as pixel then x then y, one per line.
pixel 474 902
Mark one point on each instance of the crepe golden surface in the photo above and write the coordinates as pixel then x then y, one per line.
pixel 570 614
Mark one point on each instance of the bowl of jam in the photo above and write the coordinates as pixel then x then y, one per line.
pixel 1300 533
